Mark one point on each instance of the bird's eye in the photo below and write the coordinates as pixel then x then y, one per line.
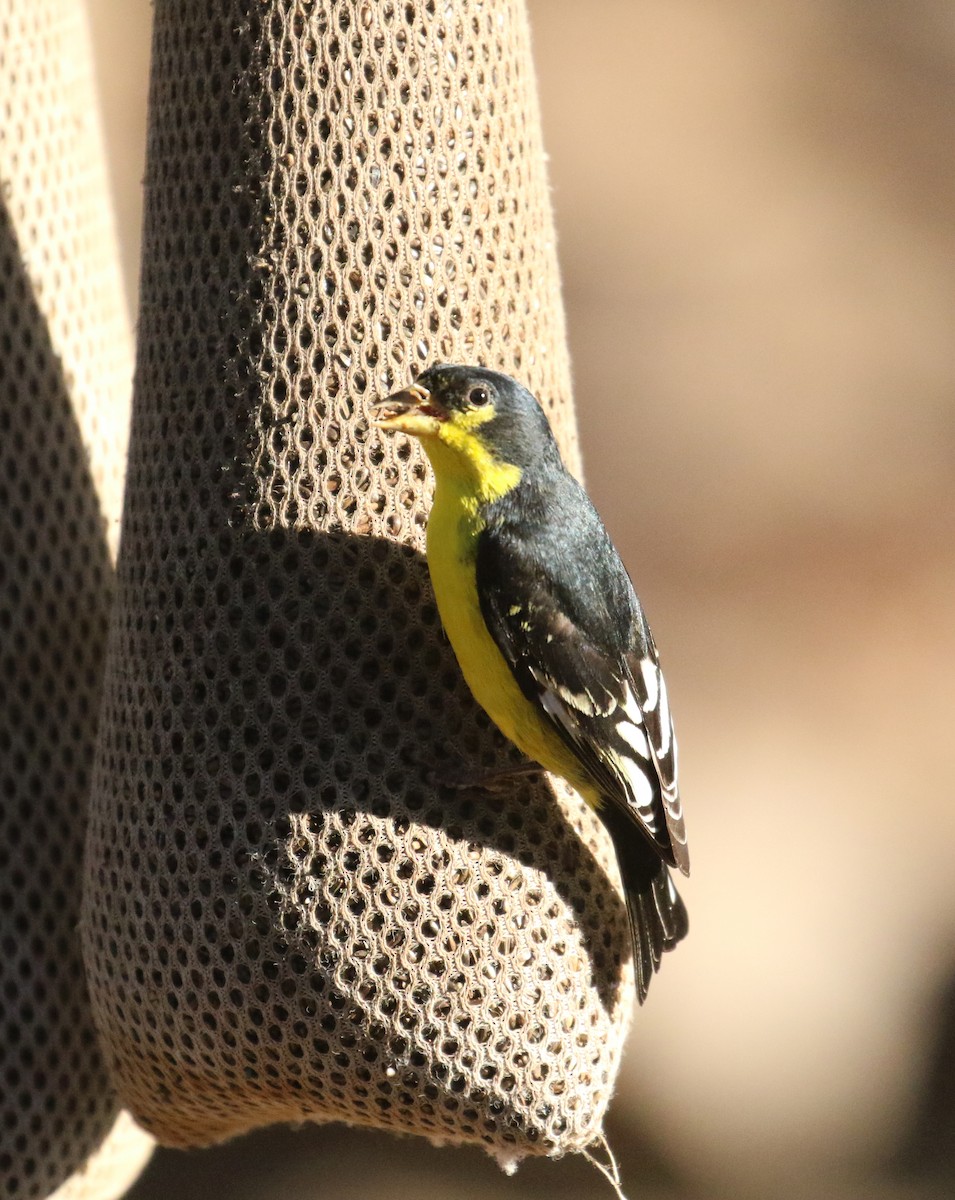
pixel 478 396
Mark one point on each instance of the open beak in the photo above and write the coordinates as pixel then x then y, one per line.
pixel 413 410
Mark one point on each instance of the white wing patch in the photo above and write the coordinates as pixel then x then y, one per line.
pixel 644 796
pixel 659 728
pixel 657 699
pixel 555 708
pixel 651 681
pixel 584 702
pixel 666 723
pixel 622 732
pixel 639 777
pixel 635 737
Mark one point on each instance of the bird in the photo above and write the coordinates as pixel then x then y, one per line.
pixel 547 628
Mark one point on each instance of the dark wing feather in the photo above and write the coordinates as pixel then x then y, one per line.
pixel 579 647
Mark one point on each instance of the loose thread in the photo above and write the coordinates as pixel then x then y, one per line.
pixel 610 1171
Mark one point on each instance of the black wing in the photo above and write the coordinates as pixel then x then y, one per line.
pixel 570 627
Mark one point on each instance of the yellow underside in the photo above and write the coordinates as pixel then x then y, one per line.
pixel 453 530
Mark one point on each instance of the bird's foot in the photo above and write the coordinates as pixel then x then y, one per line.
pixel 490 779
pixel 460 775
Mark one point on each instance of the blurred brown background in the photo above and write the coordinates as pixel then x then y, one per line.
pixel 755 209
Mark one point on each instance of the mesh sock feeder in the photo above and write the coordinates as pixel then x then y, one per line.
pixel 65 372
pixel 285 918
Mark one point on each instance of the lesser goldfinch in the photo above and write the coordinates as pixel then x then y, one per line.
pixel 547 628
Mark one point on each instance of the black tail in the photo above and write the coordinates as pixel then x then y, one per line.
pixel 658 918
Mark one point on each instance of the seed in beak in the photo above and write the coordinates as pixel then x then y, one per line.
pixel 413 399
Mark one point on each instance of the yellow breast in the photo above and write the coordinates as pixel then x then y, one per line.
pixel 453 531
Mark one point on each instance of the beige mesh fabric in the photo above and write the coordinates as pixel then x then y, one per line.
pixel 286 917
pixel 112 1169
pixel 65 367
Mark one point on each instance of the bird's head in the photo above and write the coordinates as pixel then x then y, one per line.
pixel 478 426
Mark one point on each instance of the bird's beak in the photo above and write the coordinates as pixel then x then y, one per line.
pixel 412 410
